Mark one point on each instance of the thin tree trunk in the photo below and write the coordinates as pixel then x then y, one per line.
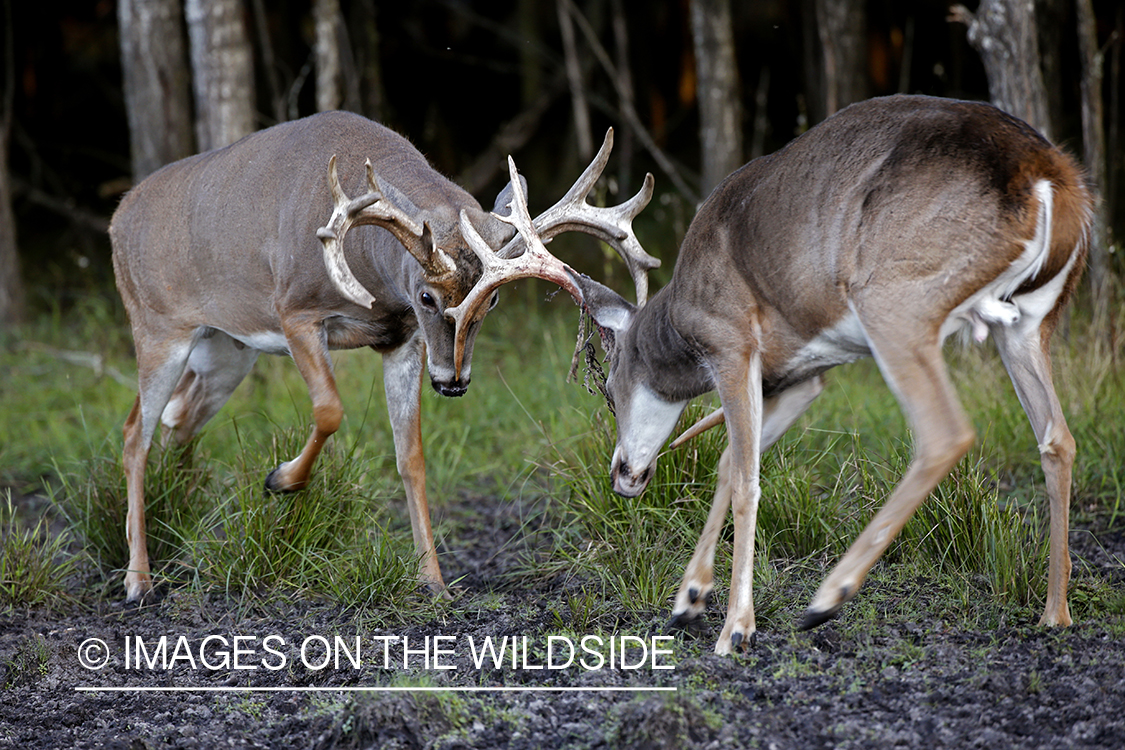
pixel 623 148
pixel 842 30
pixel 269 60
pixel 1003 33
pixel 373 97
pixel 12 295
pixel 157 85
pixel 720 103
pixel 223 72
pixel 1094 150
pixel 579 106
pixel 329 73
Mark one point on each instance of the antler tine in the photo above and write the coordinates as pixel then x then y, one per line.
pixel 714 419
pixel 535 262
pixel 373 208
pixel 612 225
pixel 332 235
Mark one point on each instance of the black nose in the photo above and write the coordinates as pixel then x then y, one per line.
pixel 453 388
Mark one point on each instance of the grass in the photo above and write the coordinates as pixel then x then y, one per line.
pixel 34 564
pixel 523 431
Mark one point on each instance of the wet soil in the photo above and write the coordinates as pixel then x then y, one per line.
pixel 232 674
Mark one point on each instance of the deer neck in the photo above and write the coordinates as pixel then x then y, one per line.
pixel 660 348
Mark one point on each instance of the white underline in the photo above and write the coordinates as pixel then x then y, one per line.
pixel 500 689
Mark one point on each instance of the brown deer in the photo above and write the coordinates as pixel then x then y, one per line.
pixel 247 249
pixel 880 232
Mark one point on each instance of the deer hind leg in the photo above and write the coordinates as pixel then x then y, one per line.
pixel 402 382
pixel 1026 356
pixel 779 414
pixel 217 364
pixel 308 344
pixel 942 435
pixel 159 367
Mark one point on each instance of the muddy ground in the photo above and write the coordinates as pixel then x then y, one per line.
pixel 898 683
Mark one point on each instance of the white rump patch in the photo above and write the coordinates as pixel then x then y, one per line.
pixel 994 303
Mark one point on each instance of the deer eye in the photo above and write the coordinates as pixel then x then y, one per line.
pixel 428 301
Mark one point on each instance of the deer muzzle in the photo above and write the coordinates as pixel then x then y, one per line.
pixel 627 480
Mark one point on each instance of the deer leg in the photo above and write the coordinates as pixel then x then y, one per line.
pixel 780 412
pixel 942 435
pixel 308 345
pixel 402 382
pixel 217 364
pixel 1026 356
pixel 740 390
pixel 159 369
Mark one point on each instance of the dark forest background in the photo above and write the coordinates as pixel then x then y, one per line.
pixel 469 81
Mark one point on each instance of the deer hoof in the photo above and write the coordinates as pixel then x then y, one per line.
pixel 138 587
pixel 814 618
pixel 680 621
pixel 275 482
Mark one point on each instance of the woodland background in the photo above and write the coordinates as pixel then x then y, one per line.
pixel 97 93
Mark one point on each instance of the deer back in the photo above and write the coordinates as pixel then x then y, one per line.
pixel 210 239
pixel 900 198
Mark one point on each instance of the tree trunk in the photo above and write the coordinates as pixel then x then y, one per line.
pixel 720 107
pixel 12 297
pixel 1094 150
pixel 222 66
pixel 157 95
pixel 373 97
pixel 836 56
pixel 1003 32
pixel 329 73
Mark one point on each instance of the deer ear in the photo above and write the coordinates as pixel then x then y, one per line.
pixel 502 205
pixel 608 308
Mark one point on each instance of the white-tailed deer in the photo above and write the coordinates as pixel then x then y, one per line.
pixel 877 233
pixel 247 249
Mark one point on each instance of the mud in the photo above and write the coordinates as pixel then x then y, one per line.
pixel 895 683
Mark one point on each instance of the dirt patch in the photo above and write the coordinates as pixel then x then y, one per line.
pixel 895 684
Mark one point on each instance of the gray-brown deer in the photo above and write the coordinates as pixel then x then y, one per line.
pixel 880 232
pixel 247 249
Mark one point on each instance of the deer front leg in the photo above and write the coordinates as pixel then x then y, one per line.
pixel 308 345
pixel 695 588
pixel 780 412
pixel 740 389
pixel 402 382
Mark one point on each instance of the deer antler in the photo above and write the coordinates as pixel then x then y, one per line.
pixel 535 262
pixel 612 225
pixel 374 208
pixel 525 255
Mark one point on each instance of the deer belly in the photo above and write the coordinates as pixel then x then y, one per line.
pixel 838 344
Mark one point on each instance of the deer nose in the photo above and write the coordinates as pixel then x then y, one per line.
pixel 628 483
pixel 452 388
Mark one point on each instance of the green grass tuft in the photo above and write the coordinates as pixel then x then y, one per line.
pixel 34 563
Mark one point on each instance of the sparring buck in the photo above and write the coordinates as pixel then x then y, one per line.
pixel 880 232
pixel 257 247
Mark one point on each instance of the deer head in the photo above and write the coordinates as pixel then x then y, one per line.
pixel 498 255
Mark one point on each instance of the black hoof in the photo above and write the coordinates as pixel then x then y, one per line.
pixel 271 487
pixel 679 622
pixel 812 618
pixel 736 640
